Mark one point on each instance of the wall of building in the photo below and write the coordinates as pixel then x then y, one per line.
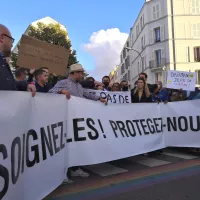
pixel 187 34
pixel 154 16
pixel 157 14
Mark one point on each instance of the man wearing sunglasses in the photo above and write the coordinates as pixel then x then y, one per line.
pixel 7 81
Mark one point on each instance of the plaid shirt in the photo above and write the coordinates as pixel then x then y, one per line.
pixel 74 88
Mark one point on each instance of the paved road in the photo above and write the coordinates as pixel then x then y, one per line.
pixel 158 176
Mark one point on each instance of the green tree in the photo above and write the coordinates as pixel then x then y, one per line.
pixel 54 34
pixel 86 74
pixel 14 57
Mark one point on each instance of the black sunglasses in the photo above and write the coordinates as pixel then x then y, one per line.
pixel 9 37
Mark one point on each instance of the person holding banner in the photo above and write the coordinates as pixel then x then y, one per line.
pixel 124 86
pixel 71 86
pixel 7 81
pixel 141 93
pixel 162 93
pixel 106 83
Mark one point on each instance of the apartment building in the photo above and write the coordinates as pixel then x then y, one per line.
pixel 115 75
pixel 165 36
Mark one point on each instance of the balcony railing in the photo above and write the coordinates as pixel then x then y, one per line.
pixel 154 64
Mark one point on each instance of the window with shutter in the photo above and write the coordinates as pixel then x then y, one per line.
pixel 153 55
pixel 195 30
pixel 143 20
pixel 157 35
pixel 129 75
pixel 162 33
pixel 151 37
pixel 157 11
pixel 154 12
pixel 195 6
pixel 158 58
pixel 163 53
pixel 198 30
pixel 197 54
pixel 198 76
pixel 141 26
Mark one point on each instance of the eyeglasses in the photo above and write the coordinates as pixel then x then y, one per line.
pixel 9 37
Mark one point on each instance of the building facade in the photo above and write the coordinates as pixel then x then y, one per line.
pixel 115 75
pixel 165 36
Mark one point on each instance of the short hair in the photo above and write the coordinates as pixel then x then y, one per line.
pixel 144 74
pixel 38 73
pixel 89 78
pixel 114 84
pixel 106 77
pixel 20 71
pixel 123 82
pixel 153 87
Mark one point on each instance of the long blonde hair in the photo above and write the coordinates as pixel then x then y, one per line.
pixel 146 88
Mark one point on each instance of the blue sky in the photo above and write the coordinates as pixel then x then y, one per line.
pixel 81 18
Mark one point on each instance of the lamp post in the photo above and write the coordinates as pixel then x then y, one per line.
pixel 138 54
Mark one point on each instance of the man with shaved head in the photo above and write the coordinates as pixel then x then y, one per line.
pixel 7 81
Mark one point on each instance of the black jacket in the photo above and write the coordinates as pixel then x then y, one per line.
pixel 144 98
pixel 7 81
pixel 44 89
pixel 87 84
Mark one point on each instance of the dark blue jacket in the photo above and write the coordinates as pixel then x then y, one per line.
pixel 162 96
pixel 7 81
pixel 44 89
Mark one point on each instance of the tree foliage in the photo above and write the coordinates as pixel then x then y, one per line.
pixel 14 57
pixel 51 33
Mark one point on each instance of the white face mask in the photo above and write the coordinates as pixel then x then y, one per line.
pixel 27 77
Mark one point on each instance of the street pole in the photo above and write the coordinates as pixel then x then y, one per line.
pixel 139 55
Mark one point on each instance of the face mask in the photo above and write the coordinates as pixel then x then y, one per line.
pixel 106 83
pixel 125 88
pixel 91 84
pixel 27 77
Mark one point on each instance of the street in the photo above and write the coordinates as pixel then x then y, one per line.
pixel 173 174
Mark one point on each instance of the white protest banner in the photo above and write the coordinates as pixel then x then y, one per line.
pixel 181 80
pixel 135 128
pixel 42 136
pixel 112 97
pixel 182 120
pixel 33 160
pixel 104 133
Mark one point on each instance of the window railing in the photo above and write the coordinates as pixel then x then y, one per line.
pixel 153 64
pixel 157 40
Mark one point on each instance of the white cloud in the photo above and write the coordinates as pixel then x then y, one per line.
pixel 105 47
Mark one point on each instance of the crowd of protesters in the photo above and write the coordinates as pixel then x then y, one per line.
pixel 74 84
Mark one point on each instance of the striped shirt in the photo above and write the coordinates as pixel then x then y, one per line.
pixel 74 88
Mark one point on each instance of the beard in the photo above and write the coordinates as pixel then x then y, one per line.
pixel 7 51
